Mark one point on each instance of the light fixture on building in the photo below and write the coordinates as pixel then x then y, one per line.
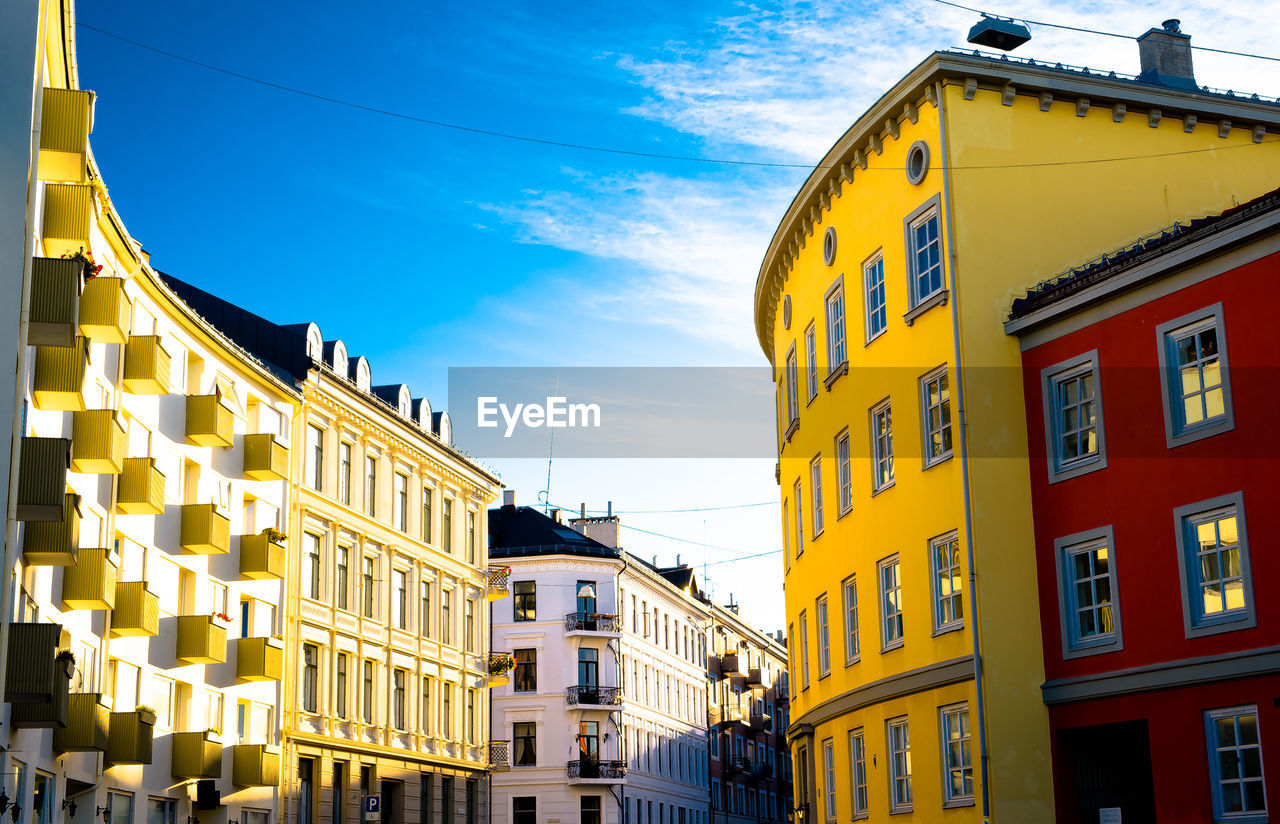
pixel 14 812
pixel 586 591
pixel 999 33
pixel 105 812
pixel 68 804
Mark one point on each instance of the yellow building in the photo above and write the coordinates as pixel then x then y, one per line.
pixel 879 304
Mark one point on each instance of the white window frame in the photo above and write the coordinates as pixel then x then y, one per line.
pixel 793 390
pixel 1051 377
pixel 1216 778
pixel 875 302
pixel 858 772
pixel 822 614
pixel 945 428
pixel 829 778
pixel 882 447
pixel 844 475
pixel 804 649
pixel 947 719
pixel 811 361
pixel 887 643
pixel 917 301
pixel 899 781
pixel 799 496
pixel 1177 432
pixel 852 646
pixel 1065 550
pixel 1194 622
pixel 815 495
pixel 837 331
pixel 941 622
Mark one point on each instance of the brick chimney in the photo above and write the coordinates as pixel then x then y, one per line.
pixel 1165 55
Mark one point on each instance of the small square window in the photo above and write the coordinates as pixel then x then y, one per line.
pixel 1195 376
pixel 1213 563
pixel 1235 764
pixel 882 446
pixel 1075 438
pixel 935 414
pixel 1090 609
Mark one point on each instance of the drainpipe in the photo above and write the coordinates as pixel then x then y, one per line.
pixel 940 88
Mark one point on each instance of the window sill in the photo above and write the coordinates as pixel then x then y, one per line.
pixel 874 338
pixel 1246 619
pixel 891 647
pixel 957 804
pixel 1078 468
pixel 856 659
pixel 1191 434
pixel 844 512
pixel 938 298
pixel 941 459
pixel 836 374
pixel 878 490
pixel 901 810
pixel 791 429
pixel 1079 651
pixel 949 628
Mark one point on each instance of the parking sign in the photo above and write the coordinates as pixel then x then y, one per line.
pixel 373 808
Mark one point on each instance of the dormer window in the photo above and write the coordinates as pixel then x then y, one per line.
pixel 315 342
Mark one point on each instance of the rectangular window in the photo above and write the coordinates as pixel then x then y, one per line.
pixel 370 587
pixel 526 674
pixel 344 473
pixel 829 777
pixel 470 620
pixel 1090 617
pixel 935 412
pixel 402 502
pixel 371 486
pixel 524 736
pixel 899 765
pixel 815 475
pixel 948 609
pixel 793 389
pixel 311 557
pixel 425 609
pixel 471 717
pixel 844 473
pixel 924 256
pixel 858 772
pixel 824 637
pixel 398 714
pixel 424 719
pixel 873 287
pixel 400 598
pixel 310 677
pixel 835 328
pixel 524 809
pixel 525 601
pixel 811 361
pixel 367 697
pixel 1213 561
pixel 340 690
pixel 306 791
pixel 471 538
pixel 343 583
pixel 1073 417
pixel 446 616
pixel 852 650
pixel 426 514
pixel 590 810
pixel 1195 376
pixel 1235 764
pixel 799 520
pixel 957 766
pixel 804 650
pixel 890 603
pixel 882 446
pixel 315 456
pixel 446 526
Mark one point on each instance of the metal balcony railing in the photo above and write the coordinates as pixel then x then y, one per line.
pixel 499 582
pixel 592 622
pixel 499 756
pixel 590 694
pixel 584 768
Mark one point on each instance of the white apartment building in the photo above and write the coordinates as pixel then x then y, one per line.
pixel 606 710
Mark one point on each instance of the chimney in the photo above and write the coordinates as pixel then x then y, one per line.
pixel 1165 55
pixel 555 515
pixel 509 497
pixel 582 511
pixel 677 559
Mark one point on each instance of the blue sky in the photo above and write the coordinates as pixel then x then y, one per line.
pixel 425 248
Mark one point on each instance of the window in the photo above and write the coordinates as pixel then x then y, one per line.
pixel 162 700
pixel 858 772
pixel 340 688
pixel 829 776
pixel 804 650
pixel 425 609
pixel 526 674
pixel 824 637
pixel 882 446
pixel 524 809
pixel 851 647
pixel 799 520
pixel 425 714
pixel 1235 764
pixel 1213 562
pixel 446 526
pixel 1195 376
pixel 469 610
pixel 315 455
pixel 371 485
pixel 957 761
pixel 1074 439
pixel 471 537
pixel 1090 614
pixel 890 604
pixel 525 601
pixel 793 390
pixel 310 677
pixel 874 302
pixel 835 328
pixel 899 765
pixel 924 256
pixel 471 717
pixel 311 558
pixel 159 810
pixel 367 697
pixel 811 361
pixel 370 593
pixel 815 473
pixel 844 474
pixel 398 714
pixel 402 502
pixel 426 514
pixel 400 598
pixel 590 810
pixel 935 412
pixel 344 473
pixel 306 791
pixel 344 573
pixel 446 619
pixel 948 609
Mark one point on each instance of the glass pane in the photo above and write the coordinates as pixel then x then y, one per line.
pixel 1251 762
pixel 1227 530
pixel 1209 570
pixel 1087 625
pixel 1101 558
pixel 1212 375
pixel 1226 731
pixel 1102 590
pixel 1248 729
pixel 1082 565
pixel 1206 535
pixel 1186 350
pixel 1208 343
pixel 1234 594
pixel 1230 563
pixel 1253 796
pixel 1192 409
pixel 1212 599
pixel 1067 393
pixel 1214 404
pixel 1230 764
pixel 1231 801
pixel 1191 379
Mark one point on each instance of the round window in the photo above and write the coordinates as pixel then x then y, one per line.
pixel 829 245
pixel 786 311
pixel 917 162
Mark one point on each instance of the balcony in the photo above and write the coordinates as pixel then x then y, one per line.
pixel 205 531
pixel 98 441
pixel 594 624
pixel 129 737
pixel 499 756
pixel 589 771
pixel 265 458
pixel 589 696
pixel 51 714
pixel 57 381
pixel 738 765
pixel 66 119
pixel 88 725
pixel 757 678
pixel 259 659
pixel 732 715
pixel 261 558
pixel 201 640
pixel 730 666
pixel 500 666
pixel 196 755
pixel 760 771
pixel 209 422
pixel 91 583
pixel 141 490
pixel 68 213
pixel 105 312
pixel 499 583
pixel 760 722
pixel 54 543
pixel 137 611
pixel 54 304
pixel 42 478
pixel 255 765
pixel 146 366
pixel 29 676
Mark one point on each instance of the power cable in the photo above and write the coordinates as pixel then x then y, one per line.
pixel 674 511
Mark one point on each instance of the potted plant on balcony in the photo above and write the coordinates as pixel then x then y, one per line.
pixel 221 618
pixel 146 714
pixel 91 269
pixel 67 660
pixel 275 536
pixel 500 663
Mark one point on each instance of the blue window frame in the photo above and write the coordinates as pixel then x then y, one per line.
pixel 1235 764
pixel 1195 376
pixel 1213 563
pixel 1089 596
pixel 873 280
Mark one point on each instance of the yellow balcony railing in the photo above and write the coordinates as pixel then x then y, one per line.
pixel 105 312
pixel 201 640
pixel 137 611
pixel 58 380
pixel 209 422
pixel 68 213
pixel 51 714
pixel 42 478
pixel 54 304
pixel 141 490
pixel 129 737
pixel 255 765
pixel 196 755
pixel 259 659
pixel 98 441
pixel 261 558
pixel 88 725
pixel 32 647
pixel 499 582
pixel 54 543
pixel 146 366
pixel 265 458
pixel 205 530
pixel 66 119
pixel 91 583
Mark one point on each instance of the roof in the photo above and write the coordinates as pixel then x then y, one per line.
pixel 516 531
pixel 1141 251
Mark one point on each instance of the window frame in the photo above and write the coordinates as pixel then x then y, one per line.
pixel 804 649
pixel 957 623
pixel 799 501
pixel 874 263
pixel 811 362
pixel 837 361
pixel 1215 766
pixel 1064 551
pixel 858 798
pixel 1176 435
pixel 815 496
pixel 791 375
pixel 1182 517
pixel 822 619
pixel 852 642
pixel 918 304
pixel 844 474
pixel 829 778
pixel 896 805
pixel 946 713
pixel 940 373
pixel 1050 378
pixel 883 407
pixel 886 643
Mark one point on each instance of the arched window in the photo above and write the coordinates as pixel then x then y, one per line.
pixel 423 416
pixel 339 363
pixel 444 428
pixel 363 377
pixel 405 403
pixel 315 342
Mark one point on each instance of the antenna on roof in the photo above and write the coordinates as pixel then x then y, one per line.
pixel 551 449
